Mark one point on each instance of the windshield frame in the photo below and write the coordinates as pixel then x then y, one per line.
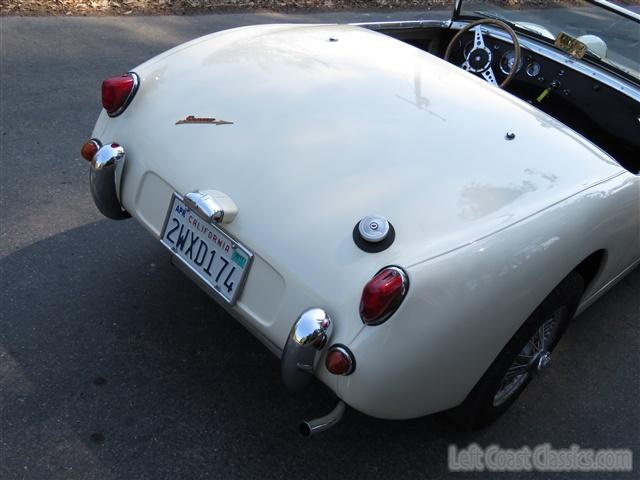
pixel 590 57
pixel 607 5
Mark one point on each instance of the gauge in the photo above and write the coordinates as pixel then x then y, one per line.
pixel 507 61
pixel 533 69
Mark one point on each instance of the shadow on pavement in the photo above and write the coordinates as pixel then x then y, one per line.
pixel 114 361
pixel 116 366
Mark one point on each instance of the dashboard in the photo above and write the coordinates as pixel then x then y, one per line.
pixel 534 70
pixel 607 116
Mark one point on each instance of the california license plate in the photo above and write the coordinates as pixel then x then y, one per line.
pixel 217 259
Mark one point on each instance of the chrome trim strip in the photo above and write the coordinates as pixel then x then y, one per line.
pixel 607 5
pixel 616 9
pixel 308 336
pixel 616 83
pixel 587 302
pixel 132 93
pixel 104 180
pixel 404 24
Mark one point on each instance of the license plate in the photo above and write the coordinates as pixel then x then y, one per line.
pixel 216 258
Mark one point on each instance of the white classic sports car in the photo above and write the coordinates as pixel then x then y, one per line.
pixel 410 212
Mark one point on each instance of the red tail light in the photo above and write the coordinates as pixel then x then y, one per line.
pixel 339 360
pixel 117 93
pixel 382 296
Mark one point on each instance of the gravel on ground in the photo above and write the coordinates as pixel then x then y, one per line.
pixel 184 7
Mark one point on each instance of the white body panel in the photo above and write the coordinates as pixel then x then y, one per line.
pixel 326 132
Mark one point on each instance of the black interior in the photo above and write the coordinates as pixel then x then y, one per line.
pixel 604 115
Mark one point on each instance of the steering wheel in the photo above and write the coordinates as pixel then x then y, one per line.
pixel 478 60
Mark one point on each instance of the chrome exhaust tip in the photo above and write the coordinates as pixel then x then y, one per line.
pixel 317 425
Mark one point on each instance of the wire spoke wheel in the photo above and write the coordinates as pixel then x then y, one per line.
pixel 526 355
pixel 533 358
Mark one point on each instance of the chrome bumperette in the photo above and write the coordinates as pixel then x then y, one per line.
pixel 308 336
pixel 104 179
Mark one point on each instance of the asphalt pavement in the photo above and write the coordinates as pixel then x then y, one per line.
pixel 113 365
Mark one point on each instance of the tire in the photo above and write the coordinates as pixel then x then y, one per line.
pixel 521 358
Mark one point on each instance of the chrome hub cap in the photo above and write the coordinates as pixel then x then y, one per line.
pixel 542 362
pixel 534 358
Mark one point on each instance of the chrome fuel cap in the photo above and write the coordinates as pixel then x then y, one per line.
pixel 373 228
pixel 373 233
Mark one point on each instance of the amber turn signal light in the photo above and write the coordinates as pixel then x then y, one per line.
pixel 89 149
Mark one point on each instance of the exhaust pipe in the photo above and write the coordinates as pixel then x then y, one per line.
pixel 317 425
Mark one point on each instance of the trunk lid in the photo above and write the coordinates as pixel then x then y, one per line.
pixel 332 123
